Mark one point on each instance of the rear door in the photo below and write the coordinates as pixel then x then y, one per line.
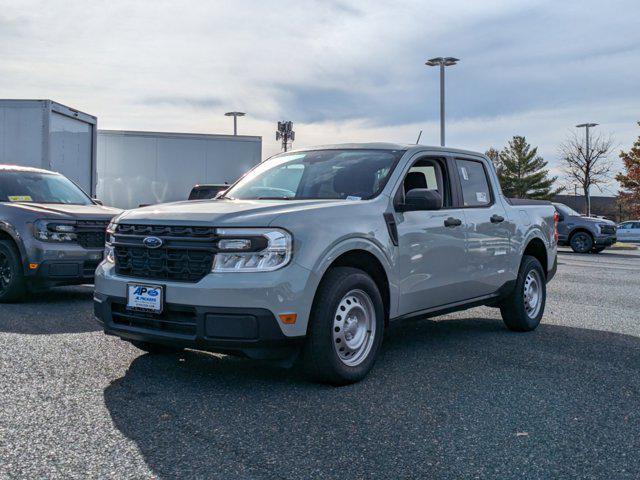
pixel 487 227
pixel 431 244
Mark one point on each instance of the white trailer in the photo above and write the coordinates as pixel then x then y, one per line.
pixel 145 168
pixel 49 135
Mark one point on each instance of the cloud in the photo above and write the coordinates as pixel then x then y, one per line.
pixel 347 70
pixel 205 103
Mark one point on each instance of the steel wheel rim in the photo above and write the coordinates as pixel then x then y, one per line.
pixel 5 272
pixel 354 328
pixel 532 294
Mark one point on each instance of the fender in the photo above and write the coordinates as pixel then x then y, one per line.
pixel 9 229
pixel 385 255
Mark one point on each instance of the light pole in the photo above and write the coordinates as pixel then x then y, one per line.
pixel 442 62
pixel 587 161
pixel 235 116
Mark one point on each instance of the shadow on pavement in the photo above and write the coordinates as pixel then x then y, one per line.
pixel 59 310
pixel 448 399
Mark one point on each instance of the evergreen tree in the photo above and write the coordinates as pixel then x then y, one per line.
pixel 523 173
pixel 630 181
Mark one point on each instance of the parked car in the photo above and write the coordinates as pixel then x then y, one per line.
pixel 204 192
pixel 51 232
pixel 584 234
pixel 314 252
pixel 629 231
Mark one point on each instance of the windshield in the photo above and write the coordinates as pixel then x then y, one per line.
pixel 566 211
pixel 318 174
pixel 40 187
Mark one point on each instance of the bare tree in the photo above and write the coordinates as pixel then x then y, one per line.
pixel 588 166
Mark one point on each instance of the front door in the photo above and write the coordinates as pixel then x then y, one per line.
pixel 431 244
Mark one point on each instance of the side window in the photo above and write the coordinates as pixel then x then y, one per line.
pixel 475 185
pixel 430 174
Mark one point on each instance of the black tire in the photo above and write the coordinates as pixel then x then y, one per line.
pixel 513 309
pixel 12 281
pixel 581 242
pixel 597 249
pixel 320 358
pixel 155 348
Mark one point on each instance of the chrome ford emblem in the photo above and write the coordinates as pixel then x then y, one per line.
pixel 152 242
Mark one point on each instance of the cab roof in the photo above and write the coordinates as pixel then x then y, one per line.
pixel 20 168
pixel 385 146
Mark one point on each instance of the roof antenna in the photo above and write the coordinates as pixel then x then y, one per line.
pixel 419 135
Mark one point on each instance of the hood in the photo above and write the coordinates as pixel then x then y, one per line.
pixel 246 213
pixel 64 211
pixel 594 220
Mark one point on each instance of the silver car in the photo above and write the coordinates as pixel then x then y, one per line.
pixel 313 252
pixel 629 231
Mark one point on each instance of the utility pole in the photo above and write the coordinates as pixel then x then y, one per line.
pixel 285 133
pixel 442 62
pixel 587 162
pixel 235 116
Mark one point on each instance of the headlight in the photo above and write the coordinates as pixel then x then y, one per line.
pixel 252 250
pixel 109 254
pixel 111 230
pixel 54 231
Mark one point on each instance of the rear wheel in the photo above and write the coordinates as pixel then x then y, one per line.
pixel 345 329
pixel 155 348
pixel 581 242
pixel 523 309
pixel 12 281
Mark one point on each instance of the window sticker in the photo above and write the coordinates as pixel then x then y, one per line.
pixel 19 198
pixel 465 173
pixel 481 197
pixel 353 197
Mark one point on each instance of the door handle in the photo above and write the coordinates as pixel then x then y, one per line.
pixel 452 222
pixel 496 219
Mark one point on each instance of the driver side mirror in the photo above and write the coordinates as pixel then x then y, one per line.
pixel 421 199
pixel 97 202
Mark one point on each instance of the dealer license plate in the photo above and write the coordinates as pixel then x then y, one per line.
pixel 147 298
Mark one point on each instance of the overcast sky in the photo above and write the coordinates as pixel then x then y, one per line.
pixel 341 70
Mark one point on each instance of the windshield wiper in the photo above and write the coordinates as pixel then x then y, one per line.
pixel 273 198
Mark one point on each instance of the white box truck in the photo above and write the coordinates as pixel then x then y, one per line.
pixel 49 135
pixel 145 168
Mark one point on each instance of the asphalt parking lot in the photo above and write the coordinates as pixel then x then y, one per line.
pixel 453 397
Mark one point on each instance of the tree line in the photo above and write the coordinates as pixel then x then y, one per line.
pixel 524 174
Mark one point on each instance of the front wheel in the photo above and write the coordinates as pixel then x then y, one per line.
pixel 581 242
pixel 346 327
pixel 12 281
pixel 523 309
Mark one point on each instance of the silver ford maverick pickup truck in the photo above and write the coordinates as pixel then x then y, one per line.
pixel 313 252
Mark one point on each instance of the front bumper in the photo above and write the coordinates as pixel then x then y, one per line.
pixel 253 332
pixel 61 264
pixel 285 291
pixel 605 240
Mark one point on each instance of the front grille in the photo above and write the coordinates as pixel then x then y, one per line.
pixel 186 254
pixel 608 229
pixel 91 233
pixel 180 320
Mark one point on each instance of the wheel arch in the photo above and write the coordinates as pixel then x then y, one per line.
pixel 368 257
pixel 7 232
pixel 537 249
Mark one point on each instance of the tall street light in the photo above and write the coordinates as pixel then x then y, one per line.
pixel 587 158
pixel 235 116
pixel 442 62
